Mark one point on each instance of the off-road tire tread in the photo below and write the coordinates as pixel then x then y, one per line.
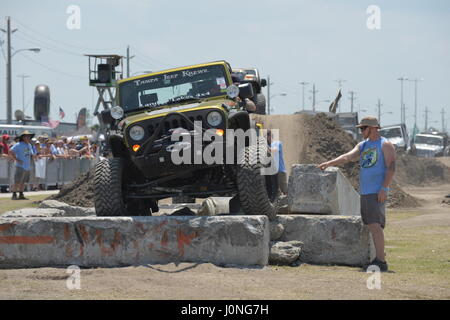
pixel 108 187
pixel 251 184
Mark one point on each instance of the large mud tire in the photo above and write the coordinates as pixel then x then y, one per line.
pixel 109 192
pixel 258 193
pixel 260 102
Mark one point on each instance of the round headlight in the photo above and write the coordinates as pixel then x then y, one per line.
pixel 116 112
pixel 233 91
pixel 137 133
pixel 214 118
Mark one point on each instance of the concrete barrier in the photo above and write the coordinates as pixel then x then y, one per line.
pixel 312 190
pixel 122 241
pixel 69 211
pixel 336 240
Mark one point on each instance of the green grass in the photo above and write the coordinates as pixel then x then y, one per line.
pixel 6 204
pixel 421 251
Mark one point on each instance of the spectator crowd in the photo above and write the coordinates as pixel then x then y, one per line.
pixel 31 156
pixel 53 148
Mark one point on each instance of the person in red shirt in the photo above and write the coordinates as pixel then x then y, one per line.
pixel 4 145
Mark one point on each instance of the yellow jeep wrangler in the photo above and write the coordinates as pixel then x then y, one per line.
pixel 184 132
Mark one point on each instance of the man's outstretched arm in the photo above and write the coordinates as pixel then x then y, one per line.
pixel 352 155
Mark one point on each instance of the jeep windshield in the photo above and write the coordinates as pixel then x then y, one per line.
pixel 183 86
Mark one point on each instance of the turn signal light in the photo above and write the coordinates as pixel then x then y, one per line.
pixel 136 147
pixel 219 132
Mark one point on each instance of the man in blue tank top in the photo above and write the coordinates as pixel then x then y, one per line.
pixel 377 166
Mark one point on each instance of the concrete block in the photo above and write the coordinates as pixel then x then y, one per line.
pixel 312 190
pixel 284 253
pixel 33 213
pixel 69 211
pixel 122 241
pixel 339 240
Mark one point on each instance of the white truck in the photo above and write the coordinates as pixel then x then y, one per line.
pixel 430 145
pixel 397 134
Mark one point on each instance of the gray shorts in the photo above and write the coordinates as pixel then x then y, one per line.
pixel 21 175
pixel 373 211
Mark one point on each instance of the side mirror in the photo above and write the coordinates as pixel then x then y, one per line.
pixel 263 83
pixel 245 91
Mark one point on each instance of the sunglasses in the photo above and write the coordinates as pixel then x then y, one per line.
pixel 363 128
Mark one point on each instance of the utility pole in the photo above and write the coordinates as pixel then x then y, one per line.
pixel 379 111
pixel 352 93
pixel 339 81
pixel 303 93
pixel 23 76
pixel 443 119
pixel 268 94
pixel 415 98
pixel 8 72
pixel 402 104
pixel 314 91
pixel 128 61
pixel 426 118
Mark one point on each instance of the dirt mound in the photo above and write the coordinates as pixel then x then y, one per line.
pixel 78 193
pixel 315 139
pixel 327 140
pixel 420 171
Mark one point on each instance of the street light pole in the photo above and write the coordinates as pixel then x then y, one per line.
pixel 402 105
pixel 23 76
pixel 314 91
pixel 303 93
pixel 8 72
pixel 268 94
pixel 9 55
pixel 415 98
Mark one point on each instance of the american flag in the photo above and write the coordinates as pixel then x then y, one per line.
pixel 61 113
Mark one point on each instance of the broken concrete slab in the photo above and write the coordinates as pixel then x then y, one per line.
pixel 276 229
pixel 34 213
pixel 284 253
pixel 311 190
pixel 70 211
pixel 339 240
pixel 122 241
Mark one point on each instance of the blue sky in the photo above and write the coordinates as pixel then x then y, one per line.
pixel 292 41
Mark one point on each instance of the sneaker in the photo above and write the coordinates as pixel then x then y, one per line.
pixel 380 264
pixel 14 196
pixel 22 197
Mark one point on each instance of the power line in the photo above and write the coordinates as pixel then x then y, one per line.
pixel 59 41
pixel 53 70
pixel 45 45
pixel 151 59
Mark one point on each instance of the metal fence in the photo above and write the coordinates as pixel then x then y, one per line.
pixel 49 172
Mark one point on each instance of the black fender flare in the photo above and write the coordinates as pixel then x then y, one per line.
pixel 240 120
pixel 117 146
